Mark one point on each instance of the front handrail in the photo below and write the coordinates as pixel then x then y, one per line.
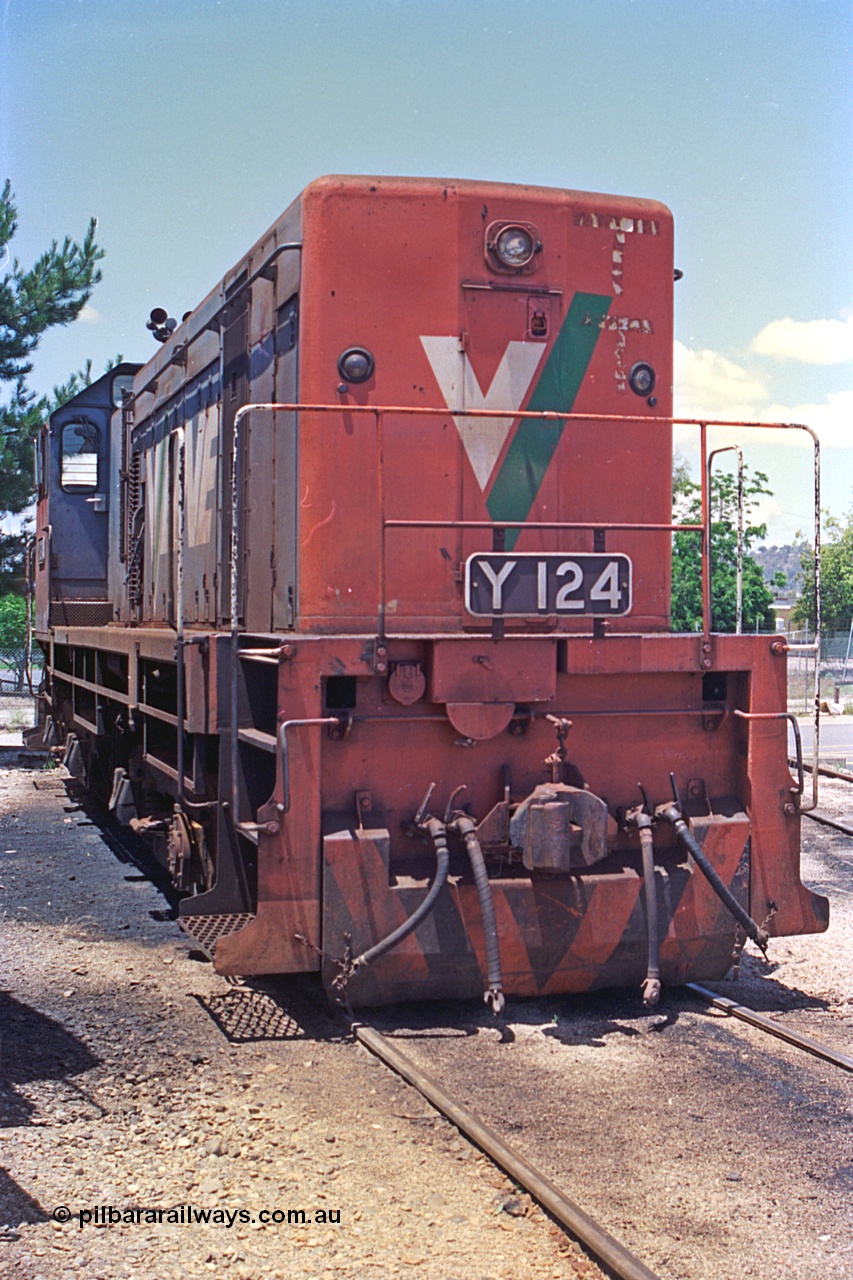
pixel 380 412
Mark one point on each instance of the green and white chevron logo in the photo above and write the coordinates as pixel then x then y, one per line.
pixel 511 488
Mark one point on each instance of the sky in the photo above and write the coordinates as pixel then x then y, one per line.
pixel 187 126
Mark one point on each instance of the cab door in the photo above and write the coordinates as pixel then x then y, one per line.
pixel 79 503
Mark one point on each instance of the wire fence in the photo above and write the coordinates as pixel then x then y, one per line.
pixel 18 683
pixel 836 673
pixel 835 665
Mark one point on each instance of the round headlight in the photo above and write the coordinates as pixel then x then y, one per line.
pixel 356 364
pixel 515 246
pixel 641 378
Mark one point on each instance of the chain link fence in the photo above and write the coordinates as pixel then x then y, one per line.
pixel 836 673
pixel 835 664
pixel 18 684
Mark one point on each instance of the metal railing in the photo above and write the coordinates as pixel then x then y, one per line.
pixel 379 413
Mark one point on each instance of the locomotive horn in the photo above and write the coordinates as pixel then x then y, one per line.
pixel 161 324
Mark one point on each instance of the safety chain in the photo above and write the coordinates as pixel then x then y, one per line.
pixel 344 965
pixel 740 939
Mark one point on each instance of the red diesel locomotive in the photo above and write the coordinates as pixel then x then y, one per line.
pixel 355 597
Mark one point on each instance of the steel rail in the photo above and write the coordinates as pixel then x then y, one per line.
pixel 824 818
pixel 826 772
pixel 772 1027
pixel 590 1233
pixel 825 821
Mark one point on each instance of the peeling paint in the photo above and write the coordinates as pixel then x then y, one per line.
pixel 607 222
pixel 614 323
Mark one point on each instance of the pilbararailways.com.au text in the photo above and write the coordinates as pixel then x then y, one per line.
pixel 188 1215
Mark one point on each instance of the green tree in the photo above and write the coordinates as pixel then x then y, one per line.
pixel 13 637
pixel 50 293
pixel 687 554
pixel 13 622
pixel 836 578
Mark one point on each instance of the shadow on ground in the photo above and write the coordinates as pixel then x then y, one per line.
pixel 34 1048
pixel 257 1010
pixel 16 1207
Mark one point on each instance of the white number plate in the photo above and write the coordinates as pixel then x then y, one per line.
pixel 527 585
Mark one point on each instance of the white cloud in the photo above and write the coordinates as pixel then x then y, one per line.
pixel 89 315
pixel 708 385
pixel 832 420
pixel 810 341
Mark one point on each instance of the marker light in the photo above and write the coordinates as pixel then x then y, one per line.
pixel 641 378
pixel 515 246
pixel 356 364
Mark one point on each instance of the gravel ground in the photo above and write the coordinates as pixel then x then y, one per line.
pixel 132 1076
pixel 808 982
pixel 711 1150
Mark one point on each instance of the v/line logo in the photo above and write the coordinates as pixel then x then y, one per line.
pixel 511 487
pixel 483 438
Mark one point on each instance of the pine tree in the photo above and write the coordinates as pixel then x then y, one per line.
pixel 52 292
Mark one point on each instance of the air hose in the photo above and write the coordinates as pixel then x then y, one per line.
pixel 672 814
pixel 438 834
pixel 493 995
pixel 651 984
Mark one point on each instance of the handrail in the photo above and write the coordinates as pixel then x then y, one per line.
pixel 732 448
pixel 798 742
pixel 308 722
pixel 179 444
pixel 29 593
pixel 380 412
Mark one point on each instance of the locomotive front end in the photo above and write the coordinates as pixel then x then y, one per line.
pixel 481 671
pixel 357 603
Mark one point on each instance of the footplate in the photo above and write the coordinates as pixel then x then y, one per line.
pixel 207 930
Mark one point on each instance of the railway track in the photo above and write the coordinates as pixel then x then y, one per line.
pixel 606 1249
pixel 591 1065
pixel 611 1253
pixel 817 815
pixel 600 1243
pixel 772 1027
pixel 725 1133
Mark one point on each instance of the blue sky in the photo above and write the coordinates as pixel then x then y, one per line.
pixel 186 126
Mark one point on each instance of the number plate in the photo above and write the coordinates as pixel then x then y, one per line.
pixel 527 585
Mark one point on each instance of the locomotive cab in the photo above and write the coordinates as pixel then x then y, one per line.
pixel 77 464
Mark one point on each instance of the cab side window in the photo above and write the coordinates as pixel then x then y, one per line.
pixel 80 447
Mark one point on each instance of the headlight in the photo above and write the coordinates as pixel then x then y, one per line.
pixel 515 246
pixel 641 378
pixel 512 246
pixel 356 364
